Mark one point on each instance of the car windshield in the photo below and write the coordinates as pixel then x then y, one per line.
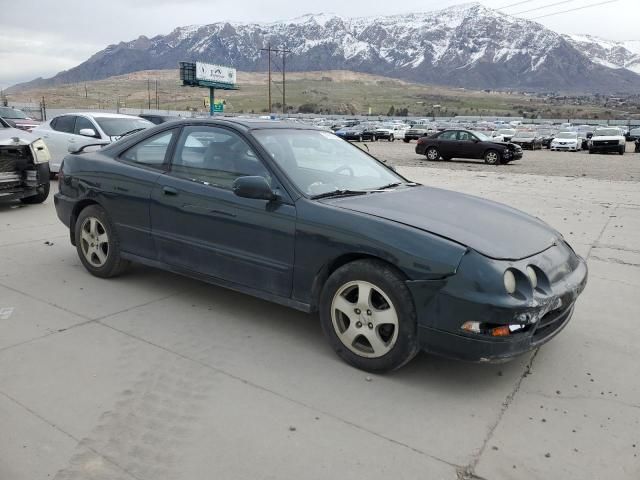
pixel 115 127
pixel 12 113
pixel 481 136
pixel 318 162
pixel 570 135
pixel 506 131
pixel 606 132
pixel 524 135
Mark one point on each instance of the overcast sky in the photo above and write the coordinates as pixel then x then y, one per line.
pixel 42 37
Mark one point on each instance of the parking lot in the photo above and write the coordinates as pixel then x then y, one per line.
pixel 154 376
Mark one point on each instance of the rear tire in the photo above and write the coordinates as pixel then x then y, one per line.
pixel 432 154
pixel 377 333
pixel 492 157
pixel 406 140
pixel 98 244
pixel 41 196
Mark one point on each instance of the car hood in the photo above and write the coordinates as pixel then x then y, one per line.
pixel 608 137
pixel 492 229
pixel 15 136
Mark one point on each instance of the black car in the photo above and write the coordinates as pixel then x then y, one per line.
pixel 158 119
pixel 358 133
pixel 467 144
pixel 294 215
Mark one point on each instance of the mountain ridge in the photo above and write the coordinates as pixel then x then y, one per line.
pixel 467 45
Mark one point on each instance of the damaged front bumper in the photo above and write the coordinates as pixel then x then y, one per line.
pixel 473 296
pixel 23 168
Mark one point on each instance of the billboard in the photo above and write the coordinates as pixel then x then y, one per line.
pixel 215 73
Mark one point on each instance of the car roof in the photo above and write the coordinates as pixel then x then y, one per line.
pixel 98 114
pixel 249 123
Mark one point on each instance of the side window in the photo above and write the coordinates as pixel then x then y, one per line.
pixel 84 123
pixel 65 124
pixel 216 156
pixel 464 136
pixel 151 152
pixel 450 135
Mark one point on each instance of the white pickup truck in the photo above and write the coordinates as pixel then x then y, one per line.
pixel 392 131
pixel 609 139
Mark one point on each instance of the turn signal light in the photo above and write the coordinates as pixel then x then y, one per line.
pixel 502 331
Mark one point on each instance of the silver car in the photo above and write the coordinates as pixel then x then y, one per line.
pixel 73 130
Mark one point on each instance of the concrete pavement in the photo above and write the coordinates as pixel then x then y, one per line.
pixel 154 376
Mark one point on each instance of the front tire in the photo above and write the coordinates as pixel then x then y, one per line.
pixel 432 154
pixel 368 316
pixel 41 196
pixel 406 140
pixel 492 157
pixel 391 138
pixel 98 244
pixel 622 150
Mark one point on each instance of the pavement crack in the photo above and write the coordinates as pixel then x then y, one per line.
pixel 285 397
pixel 614 260
pixel 64 432
pixel 585 397
pixel 470 469
pixel 604 227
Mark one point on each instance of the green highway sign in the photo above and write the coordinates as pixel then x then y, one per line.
pixel 218 107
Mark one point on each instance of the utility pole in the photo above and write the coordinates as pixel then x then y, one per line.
pixel 86 94
pixel 149 92
pixel 284 52
pixel 157 98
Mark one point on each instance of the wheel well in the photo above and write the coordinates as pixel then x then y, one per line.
pixel 81 205
pixel 330 267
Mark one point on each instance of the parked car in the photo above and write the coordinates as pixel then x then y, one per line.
pixel 547 135
pixel 24 165
pixel 158 119
pixel 291 214
pixel 606 140
pixel 391 132
pixel 568 141
pixel 18 119
pixel 467 144
pixel 357 133
pixel 633 134
pixel 503 134
pixel 527 139
pixel 73 130
pixel 416 132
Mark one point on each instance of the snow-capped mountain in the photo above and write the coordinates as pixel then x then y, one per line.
pixel 464 45
pixel 625 54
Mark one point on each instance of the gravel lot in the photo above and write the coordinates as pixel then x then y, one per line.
pixel 152 376
pixel 539 162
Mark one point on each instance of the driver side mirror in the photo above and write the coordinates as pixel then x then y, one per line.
pixel 87 132
pixel 254 187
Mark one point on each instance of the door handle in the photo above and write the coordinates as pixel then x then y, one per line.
pixel 169 191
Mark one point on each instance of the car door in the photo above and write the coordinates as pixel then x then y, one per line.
pixel 57 139
pixel 447 144
pixel 127 188
pixel 467 145
pixel 78 140
pixel 201 226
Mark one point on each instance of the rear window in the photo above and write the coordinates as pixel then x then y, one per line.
pixel 11 113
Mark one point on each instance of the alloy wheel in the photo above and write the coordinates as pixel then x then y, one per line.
pixel 94 242
pixel 364 319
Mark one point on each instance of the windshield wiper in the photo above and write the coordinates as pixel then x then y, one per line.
pixel 339 192
pixel 131 132
pixel 396 184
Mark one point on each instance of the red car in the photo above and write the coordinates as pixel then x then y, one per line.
pixel 18 118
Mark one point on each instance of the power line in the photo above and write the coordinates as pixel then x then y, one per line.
pixel 574 9
pixel 549 5
pixel 513 5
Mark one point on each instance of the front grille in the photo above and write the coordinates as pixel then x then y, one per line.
pixel 602 143
pixel 551 323
pixel 7 164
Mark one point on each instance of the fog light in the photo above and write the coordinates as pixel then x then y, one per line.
pixel 509 282
pixel 533 278
pixel 502 331
pixel 473 327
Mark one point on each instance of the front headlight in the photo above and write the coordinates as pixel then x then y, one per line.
pixel 622 142
pixel 509 282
